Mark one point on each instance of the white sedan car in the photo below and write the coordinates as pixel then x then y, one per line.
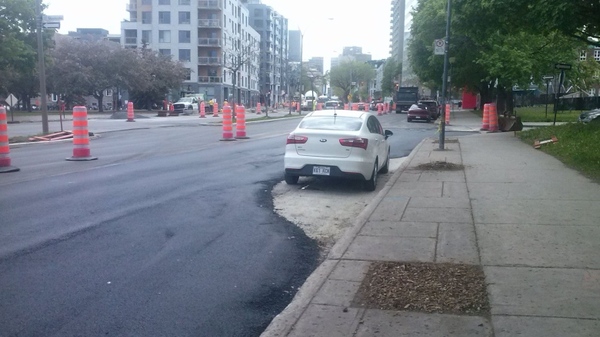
pixel 338 143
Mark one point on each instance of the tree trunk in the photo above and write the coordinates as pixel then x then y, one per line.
pixel 505 101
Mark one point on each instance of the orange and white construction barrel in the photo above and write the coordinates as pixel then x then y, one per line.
pixel 240 122
pixel 130 114
pixel 227 123
pixel 5 166
pixel 81 137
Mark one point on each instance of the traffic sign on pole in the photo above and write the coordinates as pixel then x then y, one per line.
pixel 51 25
pixel 439 47
pixel 562 66
pixel 52 18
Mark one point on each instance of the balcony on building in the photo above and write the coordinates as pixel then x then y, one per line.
pixel 209 23
pixel 209 42
pixel 131 7
pixel 209 4
pixel 209 79
pixel 204 60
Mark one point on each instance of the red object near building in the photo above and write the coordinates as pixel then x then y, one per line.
pixel 469 100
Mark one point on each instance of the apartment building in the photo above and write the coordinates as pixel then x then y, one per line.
pixel 212 38
pixel 274 36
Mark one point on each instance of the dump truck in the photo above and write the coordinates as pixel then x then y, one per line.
pixel 405 97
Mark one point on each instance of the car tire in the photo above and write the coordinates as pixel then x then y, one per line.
pixel 291 179
pixel 371 184
pixel 386 167
pixel 409 120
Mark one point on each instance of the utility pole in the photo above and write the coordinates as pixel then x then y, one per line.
pixel 42 68
pixel 445 79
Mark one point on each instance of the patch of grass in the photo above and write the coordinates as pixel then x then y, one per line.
pixel 538 114
pixel 578 145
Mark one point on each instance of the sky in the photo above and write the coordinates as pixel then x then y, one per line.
pixel 327 25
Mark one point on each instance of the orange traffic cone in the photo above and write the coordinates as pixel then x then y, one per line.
pixel 4 146
pixel 240 122
pixel 81 136
pixel 485 124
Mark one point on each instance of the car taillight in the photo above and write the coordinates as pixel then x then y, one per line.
pixel 293 139
pixel 355 142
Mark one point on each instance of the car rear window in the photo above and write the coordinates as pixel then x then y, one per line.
pixel 331 123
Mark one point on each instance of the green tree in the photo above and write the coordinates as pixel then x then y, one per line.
pixel 346 78
pixel 390 72
pixel 490 52
pixel 18 49
pixel 151 78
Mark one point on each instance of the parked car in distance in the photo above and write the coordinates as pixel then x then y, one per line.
pixel 330 105
pixel 419 112
pixel 338 143
pixel 589 116
pixel 433 107
pixel 362 106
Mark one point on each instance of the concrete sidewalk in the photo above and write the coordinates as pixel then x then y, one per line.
pixel 532 224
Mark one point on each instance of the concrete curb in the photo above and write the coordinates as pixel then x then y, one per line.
pixel 282 324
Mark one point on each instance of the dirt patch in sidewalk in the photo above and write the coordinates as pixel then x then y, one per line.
pixel 440 166
pixel 424 287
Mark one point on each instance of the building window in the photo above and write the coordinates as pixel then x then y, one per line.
pixel 164 2
pixel 164 36
pixel 184 18
pixel 164 17
pixel 146 36
pixel 184 2
pixel 146 17
pixel 185 55
pixel 130 36
pixel 146 2
pixel 597 55
pixel 165 52
pixel 583 55
pixel 184 36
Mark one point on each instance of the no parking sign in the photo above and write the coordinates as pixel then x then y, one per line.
pixel 439 47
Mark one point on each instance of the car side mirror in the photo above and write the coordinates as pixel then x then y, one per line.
pixel 387 133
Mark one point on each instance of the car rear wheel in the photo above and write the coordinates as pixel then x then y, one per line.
pixel 409 120
pixel 371 184
pixel 291 179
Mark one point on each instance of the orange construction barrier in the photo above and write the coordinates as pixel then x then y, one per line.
pixel 447 114
pixel 346 107
pixel 215 109
pixel 171 109
pixel 354 106
pixel 319 106
pixel 4 146
pixel 538 144
pixel 240 122
pixel 130 114
pixel 298 107
pixel 202 110
pixel 258 112
pixel 227 123
pixel 485 124
pixel 379 109
pixel 81 136
pixel 386 108
pixel 493 115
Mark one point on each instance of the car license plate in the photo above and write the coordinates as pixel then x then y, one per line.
pixel 321 170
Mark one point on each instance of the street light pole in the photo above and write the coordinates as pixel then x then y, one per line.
pixel 42 68
pixel 445 79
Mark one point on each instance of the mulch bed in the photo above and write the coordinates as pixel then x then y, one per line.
pixel 424 287
pixel 440 166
